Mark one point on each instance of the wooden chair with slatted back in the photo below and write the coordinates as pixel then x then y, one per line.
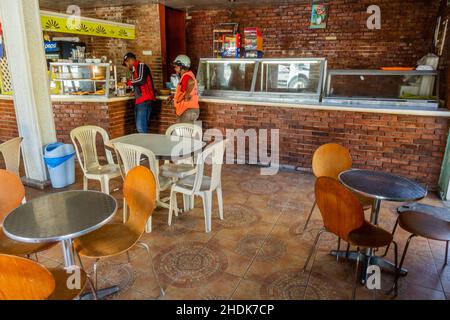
pixel 330 160
pixel 23 279
pixel 343 216
pixel 118 238
pixel 12 193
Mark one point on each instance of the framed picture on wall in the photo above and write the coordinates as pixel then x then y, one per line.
pixel 319 16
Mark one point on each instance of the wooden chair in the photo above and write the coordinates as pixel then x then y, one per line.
pixel 330 160
pixel 115 239
pixel 85 141
pixel 343 216
pixel 24 279
pixel 12 192
pixel 422 225
pixel 11 154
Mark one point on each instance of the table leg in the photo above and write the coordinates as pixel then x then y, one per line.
pixel 375 211
pixel 69 261
pixel 67 246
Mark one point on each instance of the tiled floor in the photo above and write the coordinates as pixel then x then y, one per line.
pixel 255 252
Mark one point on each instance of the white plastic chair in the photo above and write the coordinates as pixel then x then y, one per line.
pixel 86 139
pixel 10 151
pixel 131 156
pixel 11 154
pixel 182 168
pixel 203 186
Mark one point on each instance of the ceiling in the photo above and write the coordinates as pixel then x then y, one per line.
pixel 61 5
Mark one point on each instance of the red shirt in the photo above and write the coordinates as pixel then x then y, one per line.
pixel 184 82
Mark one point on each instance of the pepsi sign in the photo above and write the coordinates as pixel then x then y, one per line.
pixel 51 46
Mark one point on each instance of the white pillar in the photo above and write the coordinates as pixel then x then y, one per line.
pixel 26 57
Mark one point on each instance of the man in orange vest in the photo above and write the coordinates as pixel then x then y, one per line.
pixel 186 97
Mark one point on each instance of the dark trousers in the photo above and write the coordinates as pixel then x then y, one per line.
pixel 142 113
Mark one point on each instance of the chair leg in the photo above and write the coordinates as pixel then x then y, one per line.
pixel 186 202
pixel 309 217
pixel 146 247
pixel 125 211
pixel 207 207
pixel 338 249
pixel 85 183
pixel 312 254
pixel 313 248
pixel 402 260
pixel 173 206
pixel 347 252
pixel 104 183
pixel 393 233
pixel 91 283
pixel 446 253
pixel 93 289
pixel 355 281
pixel 149 225
pixel 95 274
pixel 220 202
pixel 192 202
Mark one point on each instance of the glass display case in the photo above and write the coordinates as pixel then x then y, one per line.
pixel 275 80
pixel 409 89
pixel 83 79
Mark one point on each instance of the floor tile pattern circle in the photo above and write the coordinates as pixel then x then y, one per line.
pixel 188 265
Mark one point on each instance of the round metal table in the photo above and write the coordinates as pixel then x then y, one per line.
pixel 379 186
pixel 60 217
pixel 164 147
pixel 382 186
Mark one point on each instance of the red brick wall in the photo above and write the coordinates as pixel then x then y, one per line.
pixel 8 122
pixel 409 145
pixel 116 117
pixel 412 146
pixel 445 59
pixel 406 33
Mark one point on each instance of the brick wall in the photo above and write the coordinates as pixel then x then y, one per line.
pixel 8 122
pixel 406 33
pixel 412 146
pixel 116 117
pixel 445 59
pixel 148 37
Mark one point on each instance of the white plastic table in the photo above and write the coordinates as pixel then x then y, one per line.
pixel 164 147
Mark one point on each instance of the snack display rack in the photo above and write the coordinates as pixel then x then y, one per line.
pixel 82 79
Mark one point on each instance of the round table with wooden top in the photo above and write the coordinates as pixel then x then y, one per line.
pixel 380 186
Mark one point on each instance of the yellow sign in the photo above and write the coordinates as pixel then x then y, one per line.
pixel 85 26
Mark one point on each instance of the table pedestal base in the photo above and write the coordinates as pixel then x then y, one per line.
pixel 364 261
pixel 101 294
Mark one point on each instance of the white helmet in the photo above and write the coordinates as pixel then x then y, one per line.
pixel 182 61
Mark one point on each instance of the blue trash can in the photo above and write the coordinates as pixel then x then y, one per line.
pixel 60 161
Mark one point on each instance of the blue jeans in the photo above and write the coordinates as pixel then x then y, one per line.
pixel 142 114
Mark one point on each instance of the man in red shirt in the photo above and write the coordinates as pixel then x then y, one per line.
pixel 144 91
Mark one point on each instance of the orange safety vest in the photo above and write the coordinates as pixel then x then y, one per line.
pixel 180 104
